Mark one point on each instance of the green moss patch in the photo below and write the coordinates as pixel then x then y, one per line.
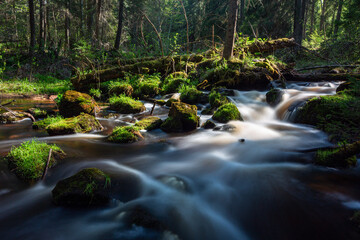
pixel 119 88
pixel 217 99
pixel 38 113
pixel 182 118
pixel 173 85
pixel 191 95
pixel 128 134
pixel 73 103
pixel 149 123
pixel 28 161
pixel 83 123
pixel 227 113
pixel 331 158
pixel 89 187
pixel 46 122
pixel 124 104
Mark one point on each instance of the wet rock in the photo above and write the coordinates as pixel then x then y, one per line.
pixel 217 100
pixel 74 103
pixel 149 123
pixel 227 113
pixel 28 160
pixel 193 96
pixel 182 118
pixel 170 101
pixel 88 188
pixel 38 113
pixel 128 134
pixel 141 216
pixel 11 117
pixel 83 123
pixel 274 96
pixel 209 125
pixel 225 128
pixel 126 105
pixel 225 91
pixel 175 182
pixel 208 111
pixel 43 124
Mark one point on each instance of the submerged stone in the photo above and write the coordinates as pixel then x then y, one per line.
pixel 227 113
pixel 209 124
pixel 182 118
pixel 74 103
pixel 274 96
pixel 83 123
pixel 87 188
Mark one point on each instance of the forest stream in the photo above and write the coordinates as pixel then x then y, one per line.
pixel 252 180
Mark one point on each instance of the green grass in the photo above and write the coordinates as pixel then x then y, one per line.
pixel 125 104
pixel 39 85
pixel 29 159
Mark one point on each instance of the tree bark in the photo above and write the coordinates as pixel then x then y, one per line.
pixel 67 24
pixel 187 27
pixel 98 15
pixel 231 29
pixel 120 24
pixel 322 17
pixel 42 25
pixel 312 17
pixel 32 26
pixel 300 6
pixel 338 17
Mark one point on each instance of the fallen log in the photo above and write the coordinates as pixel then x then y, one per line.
pixel 327 66
pixel 271 45
pixel 325 77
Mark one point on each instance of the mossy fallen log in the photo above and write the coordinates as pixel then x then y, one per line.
pixel 271 45
pixel 324 77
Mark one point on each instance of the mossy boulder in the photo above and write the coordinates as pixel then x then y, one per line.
pixel 43 124
pixel 148 88
pixel 193 96
pixel 74 103
pixel 28 160
pixel 119 88
pixel 38 113
pixel 173 85
pixel 182 118
pixel 217 99
pixel 83 123
pixel 274 96
pixel 209 124
pixel 126 105
pixel 227 113
pixel 332 158
pixel 88 188
pixel 11 117
pixel 127 134
pixel 149 123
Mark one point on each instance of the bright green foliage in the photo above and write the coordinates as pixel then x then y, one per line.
pixel 325 158
pixel 95 93
pixel 182 118
pixel 124 104
pixel 190 95
pixel 149 123
pixel 216 99
pixel 119 88
pixel 29 159
pixel 128 134
pixel 173 85
pixel 37 112
pixel 46 122
pixel 227 113
pixel 148 86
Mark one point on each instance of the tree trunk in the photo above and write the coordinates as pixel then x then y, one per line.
pixel 300 6
pixel 120 24
pixel 312 17
pixel 82 17
pixel 231 29
pixel 67 24
pixel 338 17
pixel 322 17
pixel 41 30
pixel 98 15
pixel 187 27
pixel 32 26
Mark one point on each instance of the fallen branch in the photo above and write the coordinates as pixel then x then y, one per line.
pixel 47 165
pixel 327 66
pixel 14 114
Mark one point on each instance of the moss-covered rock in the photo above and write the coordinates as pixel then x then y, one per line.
pixel 209 124
pixel 28 161
pixel 217 99
pixel 42 124
pixel 191 95
pixel 38 113
pixel 11 117
pixel 331 158
pixel 128 134
pixel 126 105
pixel 274 96
pixel 119 88
pixel 88 188
pixel 149 123
pixel 149 88
pixel 173 85
pixel 74 103
pixel 336 115
pixel 83 123
pixel 182 118
pixel 227 113
pixel 356 219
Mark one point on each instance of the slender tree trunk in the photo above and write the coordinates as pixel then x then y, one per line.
pixel 82 17
pixel 48 32
pixel 242 11
pixel 157 33
pixel 338 17
pixel 322 17
pixel 67 24
pixel 98 15
pixel 187 27
pixel 120 24
pixel 312 17
pixel 32 26
pixel 231 29
pixel 15 21
pixel 41 29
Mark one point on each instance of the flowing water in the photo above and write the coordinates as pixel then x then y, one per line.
pixel 201 185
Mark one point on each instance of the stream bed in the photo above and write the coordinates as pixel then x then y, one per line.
pixel 204 184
